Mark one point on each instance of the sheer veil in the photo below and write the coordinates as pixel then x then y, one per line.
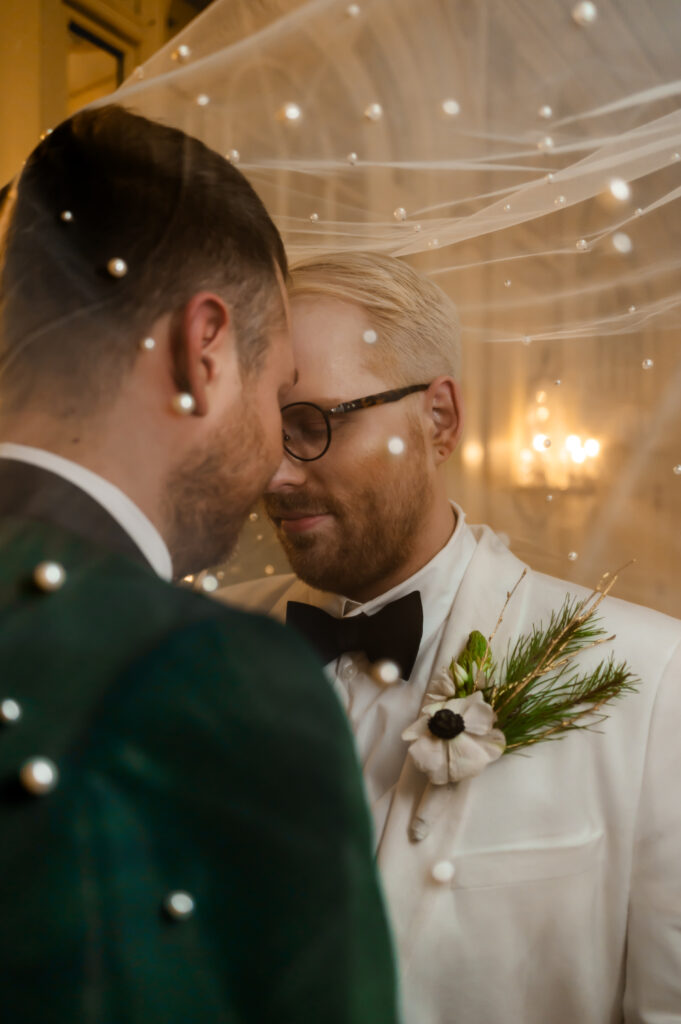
pixel 526 155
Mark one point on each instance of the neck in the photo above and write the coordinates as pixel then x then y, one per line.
pixel 90 443
pixel 437 529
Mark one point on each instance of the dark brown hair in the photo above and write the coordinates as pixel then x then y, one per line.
pixel 181 217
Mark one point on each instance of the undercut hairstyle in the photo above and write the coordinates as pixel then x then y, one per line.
pixel 417 324
pixel 104 185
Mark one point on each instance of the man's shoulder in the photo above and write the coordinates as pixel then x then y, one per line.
pixel 110 613
pixel 549 592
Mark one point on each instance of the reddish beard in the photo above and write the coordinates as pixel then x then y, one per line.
pixel 372 528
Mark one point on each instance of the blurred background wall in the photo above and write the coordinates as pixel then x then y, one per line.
pixel 57 56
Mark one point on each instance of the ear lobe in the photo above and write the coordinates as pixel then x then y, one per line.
pixel 199 333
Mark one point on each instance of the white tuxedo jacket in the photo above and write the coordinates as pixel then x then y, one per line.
pixel 565 904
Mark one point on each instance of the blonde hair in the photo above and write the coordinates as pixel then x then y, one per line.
pixel 416 323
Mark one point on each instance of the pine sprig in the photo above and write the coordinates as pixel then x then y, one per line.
pixel 539 696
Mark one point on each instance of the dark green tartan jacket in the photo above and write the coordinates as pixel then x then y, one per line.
pixel 199 749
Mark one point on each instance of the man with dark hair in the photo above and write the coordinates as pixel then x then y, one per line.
pixel 184 832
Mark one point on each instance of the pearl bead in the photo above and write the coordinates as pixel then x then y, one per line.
pixel 148 344
pixel 585 13
pixel 374 112
pixel 49 576
pixel 573 556
pixel 117 267
pixel 549 498
pixel 179 905
pixel 39 775
pixel 385 672
pixel 182 53
pixel 582 245
pixel 647 364
pixel 621 242
pixel 10 711
pixel 546 143
pixel 66 216
pixel 254 517
pixel 545 112
pixel 233 156
pixel 559 201
pixel 269 570
pixel 370 336
pixel 400 213
pixel 209 584
pixel 443 872
pixel 352 158
pixel 396 446
pixel 202 100
pixel 183 403
pixel 314 217
pixel 508 282
pixel 291 112
pixel 451 108
pixel 507 207
pixel 353 10
pixel 632 309
pixel 677 470
pixel 620 189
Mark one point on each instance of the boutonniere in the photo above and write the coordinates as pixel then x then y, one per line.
pixel 480 709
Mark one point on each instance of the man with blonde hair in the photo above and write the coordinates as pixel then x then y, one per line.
pixel 546 887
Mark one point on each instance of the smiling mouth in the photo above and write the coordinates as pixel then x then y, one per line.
pixel 297 522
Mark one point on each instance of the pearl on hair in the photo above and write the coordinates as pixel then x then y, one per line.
pixel 148 344
pixel 117 267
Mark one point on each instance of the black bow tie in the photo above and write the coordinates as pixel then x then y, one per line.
pixel 393 633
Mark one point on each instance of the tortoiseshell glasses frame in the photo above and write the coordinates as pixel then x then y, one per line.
pixel 307 427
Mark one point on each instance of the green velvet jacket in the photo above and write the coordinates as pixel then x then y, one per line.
pixel 199 749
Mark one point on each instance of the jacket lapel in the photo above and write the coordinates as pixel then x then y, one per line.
pixel 406 865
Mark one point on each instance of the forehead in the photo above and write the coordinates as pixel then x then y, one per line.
pixel 329 349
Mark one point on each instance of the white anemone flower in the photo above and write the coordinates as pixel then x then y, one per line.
pixel 455 739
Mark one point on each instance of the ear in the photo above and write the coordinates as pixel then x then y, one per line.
pixel 201 341
pixel 444 410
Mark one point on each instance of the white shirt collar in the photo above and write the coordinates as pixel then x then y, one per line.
pixel 128 516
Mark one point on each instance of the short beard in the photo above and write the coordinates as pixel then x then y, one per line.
pixel 208 496
pixel 378 529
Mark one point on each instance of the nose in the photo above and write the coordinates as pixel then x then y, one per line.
pixel 291 474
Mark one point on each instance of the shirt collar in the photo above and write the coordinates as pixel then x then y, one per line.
pixel 119 506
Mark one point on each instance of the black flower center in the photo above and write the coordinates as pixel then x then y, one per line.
pixel 446 724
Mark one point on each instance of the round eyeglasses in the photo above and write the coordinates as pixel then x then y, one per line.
pixel 307 427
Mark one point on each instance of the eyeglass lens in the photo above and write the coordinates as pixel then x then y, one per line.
pixel 306 430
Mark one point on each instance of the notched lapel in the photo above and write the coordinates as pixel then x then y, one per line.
pixel 406 866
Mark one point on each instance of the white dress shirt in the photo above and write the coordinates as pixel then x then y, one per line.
pixel 119 506
pixel 379 714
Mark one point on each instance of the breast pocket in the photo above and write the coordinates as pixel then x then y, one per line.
pixel 554 859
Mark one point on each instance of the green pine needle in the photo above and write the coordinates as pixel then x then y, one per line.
pixel 540 696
